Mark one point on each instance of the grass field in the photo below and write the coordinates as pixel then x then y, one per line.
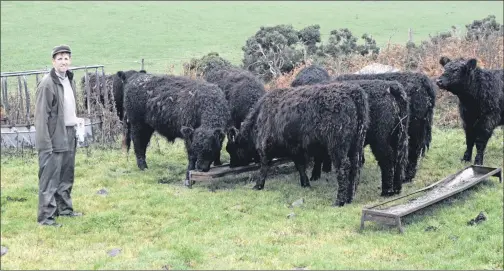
pixel 159 224
pixel 120 34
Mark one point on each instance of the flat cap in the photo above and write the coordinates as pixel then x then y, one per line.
pixel 61 49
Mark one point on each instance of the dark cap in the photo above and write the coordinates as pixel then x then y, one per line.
pixel 61 49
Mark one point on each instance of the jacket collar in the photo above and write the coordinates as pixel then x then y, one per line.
pixel 55 77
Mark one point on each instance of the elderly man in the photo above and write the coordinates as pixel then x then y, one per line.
pixel 55 138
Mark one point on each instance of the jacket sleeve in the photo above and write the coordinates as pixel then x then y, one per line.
pixel 43 105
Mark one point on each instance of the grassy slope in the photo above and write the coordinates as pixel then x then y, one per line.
pixel 117 34
pixel 228 225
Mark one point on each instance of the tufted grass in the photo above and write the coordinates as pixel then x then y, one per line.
pixel 158 223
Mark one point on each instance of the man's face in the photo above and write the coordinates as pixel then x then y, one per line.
pixel 61 62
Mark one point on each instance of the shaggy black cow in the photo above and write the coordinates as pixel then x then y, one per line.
pixel 242 90
pixel 311 75
pixel 422 97
pixel 113 84
pixel 481 101
pixel 303 122
pixel 387 134
pixel 177 107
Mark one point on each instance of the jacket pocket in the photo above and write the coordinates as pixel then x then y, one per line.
pixel 51 125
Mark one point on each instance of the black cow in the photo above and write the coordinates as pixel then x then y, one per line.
pixel 177 107
pixel 387 134
pixel 422 97
pixel 303 122
pixel 311 75
pixel 481 101
pixel 242 90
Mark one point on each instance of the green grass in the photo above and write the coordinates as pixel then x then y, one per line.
pixel 120 34
pixel 157 222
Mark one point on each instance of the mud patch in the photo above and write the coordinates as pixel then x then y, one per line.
pixel 431 228
pixel 15 199
pixel 478 219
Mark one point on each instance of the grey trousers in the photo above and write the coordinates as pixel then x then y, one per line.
pixel 56 178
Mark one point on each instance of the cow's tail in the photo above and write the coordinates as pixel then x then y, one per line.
pixel 401 128
pixel 356 153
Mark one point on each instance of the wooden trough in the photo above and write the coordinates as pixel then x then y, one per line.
pixel 390 213
pixel 225 170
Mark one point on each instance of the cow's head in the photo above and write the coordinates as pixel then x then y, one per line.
pixel 240 151
pixel 203 144
pixel 456 74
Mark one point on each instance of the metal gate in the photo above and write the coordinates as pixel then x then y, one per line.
pixel 94 99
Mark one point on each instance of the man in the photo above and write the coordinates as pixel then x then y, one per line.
pixel 55 138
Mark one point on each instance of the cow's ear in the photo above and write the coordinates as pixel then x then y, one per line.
pixel 231 134
pixel 444 60
pixel 187 132
pixel 471 64
pixel 219 134
pixel 121 75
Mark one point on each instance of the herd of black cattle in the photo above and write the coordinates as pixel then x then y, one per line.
pixel 327 119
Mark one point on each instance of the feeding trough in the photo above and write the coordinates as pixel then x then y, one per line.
pixel 390 212
pixel 225 170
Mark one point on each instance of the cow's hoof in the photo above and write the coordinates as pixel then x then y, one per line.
pixel 387 193
pixel 315 177
pixel 258 187
pixel 339 204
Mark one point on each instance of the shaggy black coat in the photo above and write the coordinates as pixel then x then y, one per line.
pixel 422 97
pixel 387 134
pixel 177 107
pixel 242 90
pixel 311 75
pixel 113 84
pixel 481 101
pixel 302 122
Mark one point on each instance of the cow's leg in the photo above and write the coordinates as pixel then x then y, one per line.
pixel 217 161
pixel 300 163
pixel 415 146
pixel 263 172
pixel 326 166
pixel 483 132
pixel 141 135
pixel 384 154
pixel 470 140
pixel 337 157
pixel 317 166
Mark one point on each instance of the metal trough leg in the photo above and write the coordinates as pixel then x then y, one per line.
pixel 499 175
pixel 399 225
pixel 363 218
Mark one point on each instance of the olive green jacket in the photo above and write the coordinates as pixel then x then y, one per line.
pixel 50 131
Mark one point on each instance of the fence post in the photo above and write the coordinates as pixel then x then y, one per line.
pixel 104 86
pixel 410 35
pixel 4 95
pixel 27 95
pixel 88 90
pixel 20 114
pixel 142 64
